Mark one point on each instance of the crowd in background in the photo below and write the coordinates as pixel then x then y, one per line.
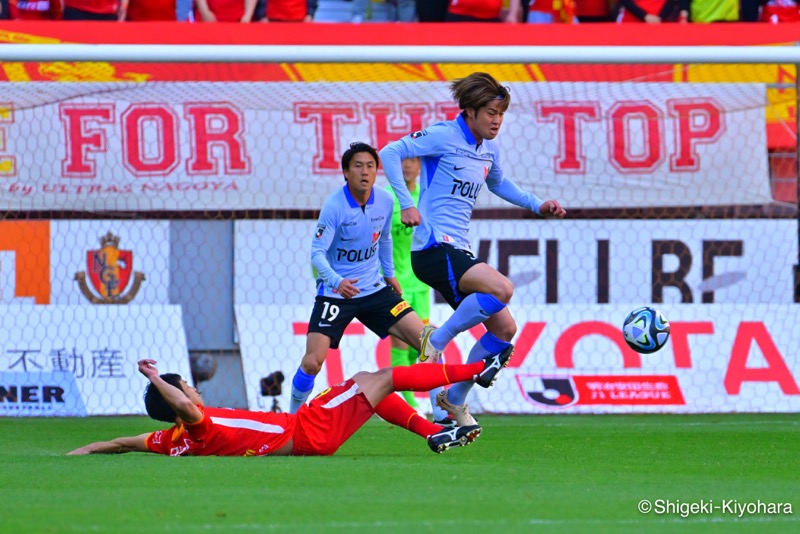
pixel 356 11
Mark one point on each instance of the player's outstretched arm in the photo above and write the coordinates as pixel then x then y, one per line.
pixel 115 446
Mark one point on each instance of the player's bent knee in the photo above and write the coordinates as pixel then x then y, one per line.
pixel 375 385
pixel 361 375
pixel 311 365
pixel 502 289
pixel 383 374
pixel 505 291
pixel 382 377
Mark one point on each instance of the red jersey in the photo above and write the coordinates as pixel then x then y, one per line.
pixel 592 8
pixel 287 10
pixel 652 7
pixel 780 11
pixel 225 10
pixel 151 10
pixel 34 9
pixel 480 9
pixel 225 432
pixel 101 7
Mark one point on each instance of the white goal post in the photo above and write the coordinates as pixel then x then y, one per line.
pixel 401 54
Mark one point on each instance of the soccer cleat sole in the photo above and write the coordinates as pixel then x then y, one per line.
pixel 463 441
pixel 506 356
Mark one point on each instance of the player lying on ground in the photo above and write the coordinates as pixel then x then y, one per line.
pixel 317 429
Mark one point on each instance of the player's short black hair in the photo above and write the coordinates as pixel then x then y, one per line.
pixel 154 402
pixel 354 149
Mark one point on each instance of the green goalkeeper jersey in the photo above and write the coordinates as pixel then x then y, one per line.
pixel 401 237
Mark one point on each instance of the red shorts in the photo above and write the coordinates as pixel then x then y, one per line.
pixel 330 419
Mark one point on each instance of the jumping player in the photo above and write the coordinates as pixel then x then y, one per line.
pixel 458 158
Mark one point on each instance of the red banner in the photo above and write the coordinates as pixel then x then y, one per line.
pixel 780 114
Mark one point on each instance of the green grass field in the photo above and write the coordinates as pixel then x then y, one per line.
pixel 525 473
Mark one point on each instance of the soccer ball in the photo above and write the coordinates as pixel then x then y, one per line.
pixel 646 330
pixel 203 367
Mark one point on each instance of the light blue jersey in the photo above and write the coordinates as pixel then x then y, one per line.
pixel 454 169
pixel 351 242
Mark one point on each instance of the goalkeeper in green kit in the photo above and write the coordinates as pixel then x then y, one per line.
pixel 415 292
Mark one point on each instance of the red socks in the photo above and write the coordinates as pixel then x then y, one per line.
pixel 425 377
pixel 393 409
pixel 421 377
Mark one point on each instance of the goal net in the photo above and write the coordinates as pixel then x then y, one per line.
pixel 173 219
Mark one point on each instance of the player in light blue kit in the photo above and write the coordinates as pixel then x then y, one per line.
pixel 458 158
pixel 351 244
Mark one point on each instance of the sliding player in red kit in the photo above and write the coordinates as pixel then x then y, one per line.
pixel 318 429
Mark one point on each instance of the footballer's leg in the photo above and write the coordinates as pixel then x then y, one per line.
pixel 399 356
pixel 493 364
pixel 411 329
pixel 393 409
pixel 486 291
pixel 390 314
pixel 317 346
pixel 379 386
pixel 489 344
pixel 329 318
